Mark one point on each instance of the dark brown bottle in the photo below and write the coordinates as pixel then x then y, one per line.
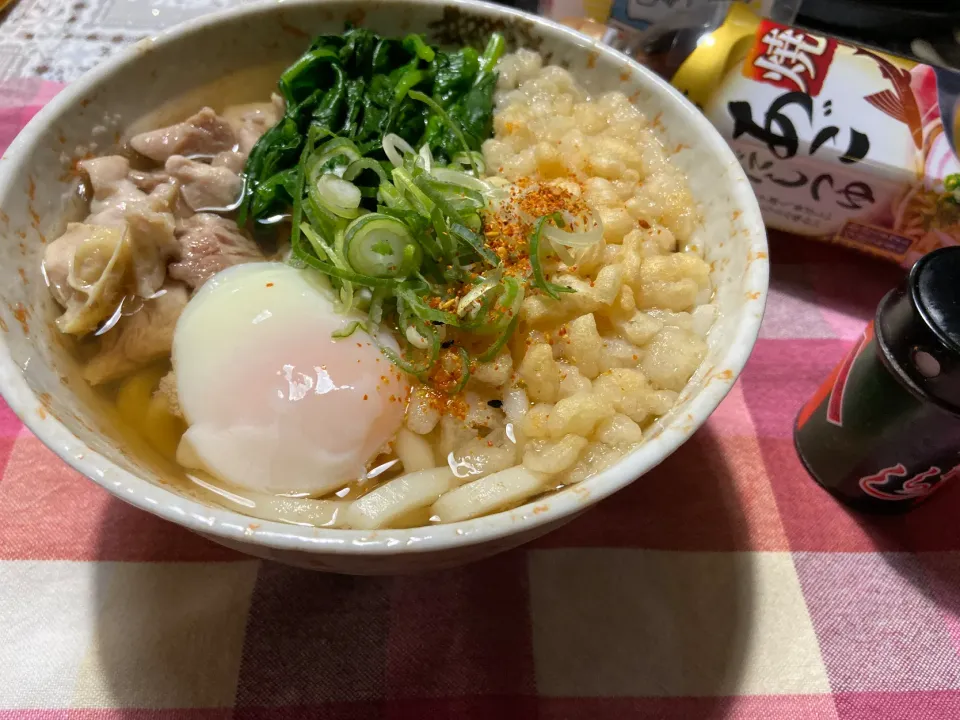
pixel 883 431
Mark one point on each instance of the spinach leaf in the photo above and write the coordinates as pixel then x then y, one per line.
pixel 472 111
pixel 300 79
pixel 357 52
pixel 330 106
pixel 415 45
pixel 388 54
pixel 275 195
pixel 454 74
pixel 329 42
pixel 278 149
pixel 356 86
pixel 354 106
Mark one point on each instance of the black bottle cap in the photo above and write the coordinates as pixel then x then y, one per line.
pixel 918 328
pixel 937 294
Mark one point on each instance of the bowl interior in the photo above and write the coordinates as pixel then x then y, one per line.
pixel 236 58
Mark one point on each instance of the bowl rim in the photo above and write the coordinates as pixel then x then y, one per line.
pixel 231 526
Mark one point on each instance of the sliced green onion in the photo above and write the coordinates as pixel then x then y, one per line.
pixel 491 352
pixel 426 331
pixel 297 211
pixel 498 309
pixel 323 250
pixel 322 220
pixel 475 294
pixel 340 260
pixel 445 241
pixel 509 302
pixel 347 331
pixel 458 177
pixel 551 289
pixel 332 270
pixel 464 371
pixel 381 246
pixel 408 188
pixel 474 240
pixel 388 195
pixel 472 159
pixel 563 253
pixel 456 199
pixel 427 157
pixel 340 197
pixel 362 298
pixel 331 264
pixel 424 311
pixel 473 222
pixel 358 166
pixel 394 147
pixel 376 310
pixel 414 337
pixel 337 147
pixel 479 316
pixel 591 235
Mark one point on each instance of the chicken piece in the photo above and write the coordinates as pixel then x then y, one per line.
pixel 138 339
pixel 232 160
pixel 86 271
pixel 152 246
pixel 205 133
pixel 58 259
pixel 113 192
pixel 205 186
pixel 148 180
pixel 106 174
pixel 209 244
pixel 148 223
pixel 164 196
pixel 91 268
pixel 168 391
pixel 252 120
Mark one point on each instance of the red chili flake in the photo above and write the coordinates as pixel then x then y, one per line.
pixel 269 284
pixel 364 397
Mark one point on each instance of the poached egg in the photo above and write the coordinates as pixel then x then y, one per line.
pixel 274 403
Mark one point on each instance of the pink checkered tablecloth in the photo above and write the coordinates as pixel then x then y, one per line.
pixel 723 585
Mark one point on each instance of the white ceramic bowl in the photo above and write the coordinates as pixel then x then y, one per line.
pixel 39 379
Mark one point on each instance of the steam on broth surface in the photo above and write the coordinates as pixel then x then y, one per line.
pixel 412 287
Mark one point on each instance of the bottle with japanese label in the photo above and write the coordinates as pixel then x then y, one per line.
pixel 841 142
pixel 883 431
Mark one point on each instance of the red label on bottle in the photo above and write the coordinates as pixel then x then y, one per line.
pixel 789 58
pixel 892 483
pixel 834 385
